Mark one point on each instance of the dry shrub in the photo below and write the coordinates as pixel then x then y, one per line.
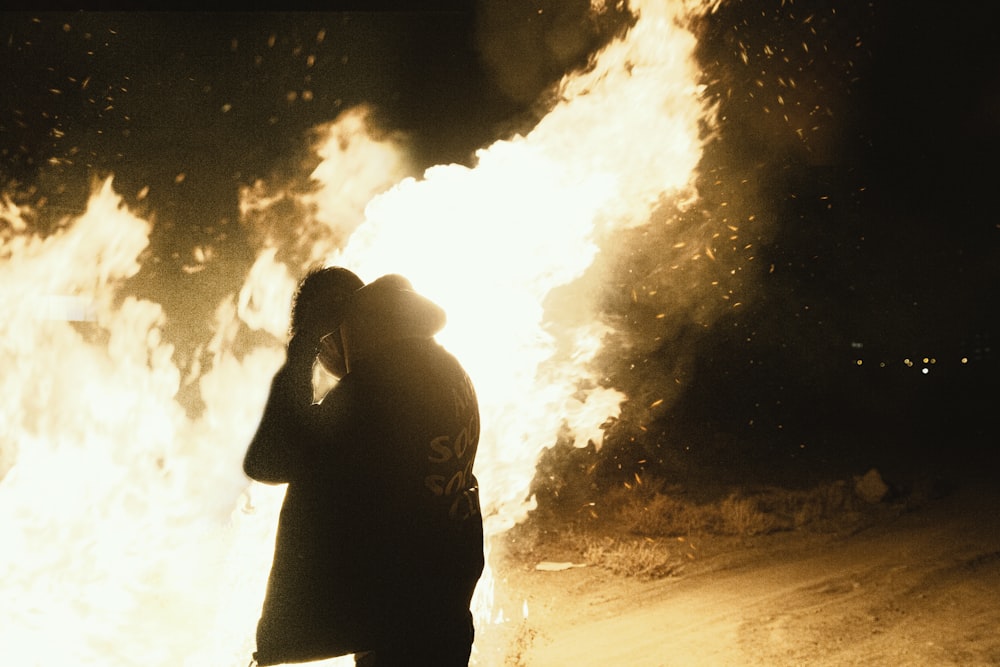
pixel 642 559
pixel 661 515
pixel 651 510
pixel 826 505
pixel 823 504
pixel 743 516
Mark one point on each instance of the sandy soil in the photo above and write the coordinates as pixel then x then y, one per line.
pixel 917 587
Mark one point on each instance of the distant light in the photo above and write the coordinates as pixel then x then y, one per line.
pixel 881 364
pixel 859 362
pixel 908 363
pixel 965 360
pixel 925 371
pixel 926 360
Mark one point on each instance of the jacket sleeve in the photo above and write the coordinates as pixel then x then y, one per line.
pixel 278 448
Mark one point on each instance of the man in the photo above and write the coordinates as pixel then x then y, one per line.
pixel 380 541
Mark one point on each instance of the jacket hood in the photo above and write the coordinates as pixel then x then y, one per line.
pixel 389 309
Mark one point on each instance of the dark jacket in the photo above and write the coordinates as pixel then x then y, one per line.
pixel 381 520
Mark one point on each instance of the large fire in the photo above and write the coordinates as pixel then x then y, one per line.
pixel 129 531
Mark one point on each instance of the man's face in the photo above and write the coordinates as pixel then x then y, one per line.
pixel 331 354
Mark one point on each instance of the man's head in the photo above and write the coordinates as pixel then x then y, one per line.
pixel 318 306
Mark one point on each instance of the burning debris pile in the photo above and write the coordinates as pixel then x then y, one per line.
pixel 127 522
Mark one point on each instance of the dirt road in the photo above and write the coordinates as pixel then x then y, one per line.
pixel 921 589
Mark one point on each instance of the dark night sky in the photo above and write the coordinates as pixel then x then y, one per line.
pixel 908 257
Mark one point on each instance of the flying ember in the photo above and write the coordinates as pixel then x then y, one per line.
pixel 129 529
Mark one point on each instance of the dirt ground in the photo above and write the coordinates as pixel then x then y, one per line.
pixel 916 587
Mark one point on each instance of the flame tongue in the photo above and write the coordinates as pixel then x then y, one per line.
pixel 128 528
pixel 491 243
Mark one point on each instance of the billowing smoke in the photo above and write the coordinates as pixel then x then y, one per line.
pixel 528 47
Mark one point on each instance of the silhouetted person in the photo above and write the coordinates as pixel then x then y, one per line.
pixel 380 542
